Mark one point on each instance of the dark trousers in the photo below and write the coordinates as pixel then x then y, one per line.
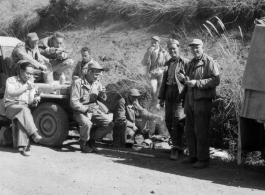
pixel 173 114
pixel 198 116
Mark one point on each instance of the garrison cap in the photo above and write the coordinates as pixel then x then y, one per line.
pixel 32 37
pixel 156 38
pixel 94 65
pixel 134 92
pixel 172 41
pixel 196 42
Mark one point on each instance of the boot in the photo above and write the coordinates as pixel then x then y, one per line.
pixel 174 153
pixel 36 137
pixel 84 146
pixel 24 150
pixel 91 143
pixel 200 165
pixel 189 160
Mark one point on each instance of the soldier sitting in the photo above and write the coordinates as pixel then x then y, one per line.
pixel 84 95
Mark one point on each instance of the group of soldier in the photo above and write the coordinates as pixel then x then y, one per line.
pixel 185 87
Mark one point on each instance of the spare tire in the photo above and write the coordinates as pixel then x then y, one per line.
pixel 52 123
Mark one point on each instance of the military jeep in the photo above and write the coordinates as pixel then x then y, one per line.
pixel 53 114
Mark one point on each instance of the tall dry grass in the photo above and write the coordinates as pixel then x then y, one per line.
pixel 20 16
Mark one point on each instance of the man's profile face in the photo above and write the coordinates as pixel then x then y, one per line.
pixel 196 50
pixel 33 44
pixel 173 50
pixel 94 74
pixel 26 74
pixel 154 43
pixel 133 98
pixel 57 42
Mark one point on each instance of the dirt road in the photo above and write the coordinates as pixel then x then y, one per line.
pixel 66 170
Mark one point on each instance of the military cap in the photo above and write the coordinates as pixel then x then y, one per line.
pixel 156 38
pixel 172 41
pixel 134 92
pixel 94 65
pixel 196 42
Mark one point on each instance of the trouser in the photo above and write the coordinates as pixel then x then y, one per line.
pixel 102 122
pixel 60 66
pixel 173 114
pixel 155 84
pixel 198 116
pixel 25 123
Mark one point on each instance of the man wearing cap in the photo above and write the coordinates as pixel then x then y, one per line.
pixel 154 60
pixel 127 109
pixel 29 52
pixel 85 93
pixel 170 95
pixel 55 50
pixel 202 78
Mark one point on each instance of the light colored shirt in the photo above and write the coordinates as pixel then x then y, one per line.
pixel 12 84
pixel 171 73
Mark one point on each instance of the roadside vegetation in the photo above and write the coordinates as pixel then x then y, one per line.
pixel 225 26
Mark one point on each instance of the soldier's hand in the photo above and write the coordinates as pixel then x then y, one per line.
pixel 103 89
pixel 75 77
pixel 30 85
pixel 180 77
pixel 162 103
pixel 52 50
pixel 43 67
pixel 160 118
pixel 191 83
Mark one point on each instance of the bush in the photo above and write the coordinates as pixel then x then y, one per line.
pixel 62 11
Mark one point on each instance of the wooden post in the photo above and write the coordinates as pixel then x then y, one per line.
pixel 239 145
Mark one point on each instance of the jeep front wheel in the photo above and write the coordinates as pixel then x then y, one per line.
pixel 52 123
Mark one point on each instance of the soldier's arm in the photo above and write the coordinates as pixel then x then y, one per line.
pixel 119 111
pixel 147 59
pixel 147 115
pixel 22 55
pixel 75 72
pixel 213 80
pixel 75 98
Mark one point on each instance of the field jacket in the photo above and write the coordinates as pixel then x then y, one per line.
pixel 155 60
pixel 206 73
pixel 23 53
pixel 46 43
pixel 123 111
pixel 84 97
pixel 181 67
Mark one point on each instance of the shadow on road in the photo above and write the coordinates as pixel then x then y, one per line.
pixel 219 172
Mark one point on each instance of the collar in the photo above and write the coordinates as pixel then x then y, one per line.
pixel 28 47
pixel 85 83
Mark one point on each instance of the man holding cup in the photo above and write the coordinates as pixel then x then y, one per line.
pixel 202 77
pixel 85 93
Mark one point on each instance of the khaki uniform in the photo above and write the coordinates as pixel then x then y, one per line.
pixel 81 68
pixel 123 111
pixel 170 91
pixel 16 108
pixel 59 65
pixel 198 105
pixel 86 110
pixel 23 53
